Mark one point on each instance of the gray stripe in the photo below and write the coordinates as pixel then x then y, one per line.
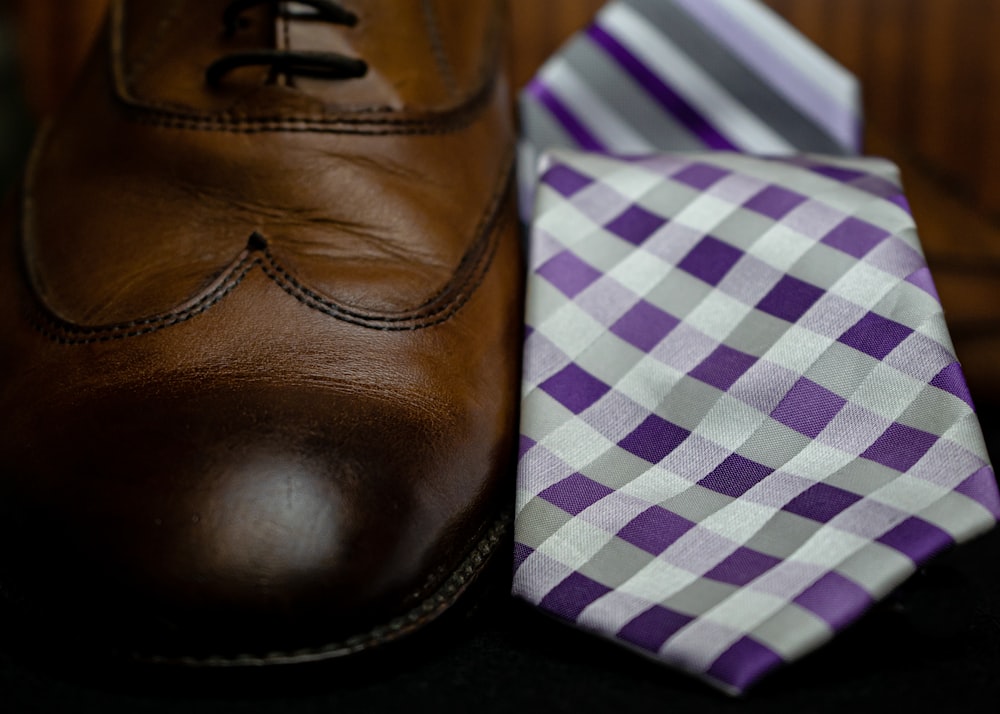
pixel 540 127
pixel 742 83
pixel 620 91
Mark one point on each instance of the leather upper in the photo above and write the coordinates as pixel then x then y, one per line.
pixel 261 339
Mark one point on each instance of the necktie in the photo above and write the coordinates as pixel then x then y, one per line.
pixel 687 75
pixel 743 421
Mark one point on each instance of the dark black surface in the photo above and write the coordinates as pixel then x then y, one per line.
pixel 936 645
pixel 933 646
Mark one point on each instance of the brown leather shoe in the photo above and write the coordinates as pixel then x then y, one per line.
pixel 260 309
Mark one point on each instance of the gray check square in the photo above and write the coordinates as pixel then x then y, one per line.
pixel 697 503
pixel 615 468
pixel 773 444
pixel 542 415
pixel 668 198
pixel 601 253
pixel 678 293
pixel 757 333
pixel 931 413
pixel 782 535
pixel 699 597
pixel 830 370
pixel 546 518
pixel 862 476
pixel 616 563
pixel 822 266
pixel 742 228
pixel 689 401
pixel 610 358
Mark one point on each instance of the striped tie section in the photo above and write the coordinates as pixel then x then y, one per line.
pixel 689 75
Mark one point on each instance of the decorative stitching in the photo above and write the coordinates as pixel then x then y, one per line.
pixel 438 308
pixel 428 610
pixel 444 123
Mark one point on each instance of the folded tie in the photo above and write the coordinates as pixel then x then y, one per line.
pixel 685 75
pixel 743 420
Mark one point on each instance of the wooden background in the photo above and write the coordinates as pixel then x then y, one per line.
pixel 931 76
pixel 931 68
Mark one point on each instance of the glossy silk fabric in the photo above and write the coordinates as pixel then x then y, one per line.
pixel 743 420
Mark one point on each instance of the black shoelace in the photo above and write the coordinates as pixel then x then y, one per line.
pixel 323 65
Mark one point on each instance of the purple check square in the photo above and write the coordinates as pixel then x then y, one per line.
pixel 575 493
pixel 565 180
pixel 572 596
pixel 654 438
pixel 917 539
pixel 835 599
pixel 875 335
pixel 742 566
pixel 568 273
pixel 808 408
pixel 981 487
pixel 655 529
pixel 821 502
pixel 521 553
pixel 723 367
pixel 775 202
pixel 710 260
pixel 900 447
pixel 635 224
pixel 574 388
pixel 790 298
pixel 644 325
pixel 650 629
pixel 700 176
pixel 744 663
pixel 855 237
pixel 923 279
pixel 951 380
pixel 735 476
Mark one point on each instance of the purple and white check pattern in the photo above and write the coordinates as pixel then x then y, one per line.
pixel 743 420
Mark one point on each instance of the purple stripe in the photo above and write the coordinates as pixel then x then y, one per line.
pixel 658 90
pixel 840 123
pixel 584 139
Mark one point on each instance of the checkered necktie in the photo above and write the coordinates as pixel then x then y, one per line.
pixel 687 75
pixel 743 420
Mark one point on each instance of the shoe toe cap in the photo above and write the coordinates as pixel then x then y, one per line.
pixel 227 524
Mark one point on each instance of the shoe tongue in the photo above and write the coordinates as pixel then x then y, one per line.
pixel 422 56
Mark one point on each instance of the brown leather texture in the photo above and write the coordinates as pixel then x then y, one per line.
pixel 262 338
